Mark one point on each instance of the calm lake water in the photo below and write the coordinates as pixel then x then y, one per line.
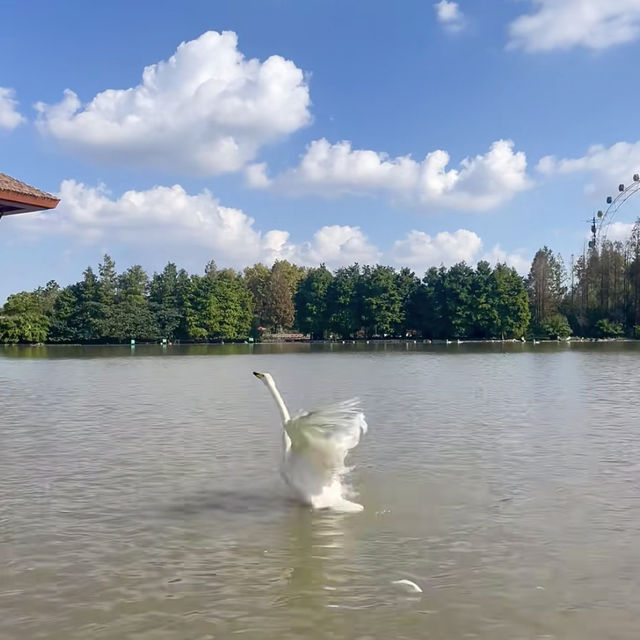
pixel 139 494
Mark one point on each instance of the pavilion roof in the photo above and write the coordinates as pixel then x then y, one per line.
pixel 19 197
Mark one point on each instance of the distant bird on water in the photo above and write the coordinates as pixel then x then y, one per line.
pixel 314 447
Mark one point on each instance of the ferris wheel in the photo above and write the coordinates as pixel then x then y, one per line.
pixel 602 220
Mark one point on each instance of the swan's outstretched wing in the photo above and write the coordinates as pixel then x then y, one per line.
pixel 320 440
pixel 339 424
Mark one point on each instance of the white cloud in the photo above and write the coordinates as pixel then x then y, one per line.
pixel 168 219
pixel 516 259
pixel 564 24
pixel 164 216
pixel 172 218
pixel 420 251
pixel 256 175
pixel 614 232
pixel 481 183
pixel 10 118
pixel 608 166
pixel 205 110
pixel 619 231
pixel 338 245
pixel 449 15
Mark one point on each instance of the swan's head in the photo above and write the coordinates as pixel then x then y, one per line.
pixel 264 377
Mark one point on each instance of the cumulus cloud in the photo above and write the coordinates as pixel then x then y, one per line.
pixel 481 183
pixel 419 251
pixel 614 232
pixel 521 263
pixel 161 215
pixel 607 166
pixel 204 111
pixel 619 231
pixel 564 24
pixel 10 118
pixel 449 15
pixel 169 216
pixel 337 245
pixel 256 175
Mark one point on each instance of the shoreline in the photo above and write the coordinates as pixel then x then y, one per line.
pixel 357 341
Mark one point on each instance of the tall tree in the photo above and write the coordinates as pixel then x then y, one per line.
pixel 484 302
pixel 63 315
pixel 132 317
pixel 279 309
pixel 344 308
pixel 511 303
pixel 219 307
pixel 257 280
pixel 310 302
pixel 407 286
pixel 164 301
pixel 380 300
pixel 107 296
pixel 235 305
pixel 87 318
pixel 546 285
pixel 457 297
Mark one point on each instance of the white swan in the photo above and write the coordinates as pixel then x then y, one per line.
pixel 315 445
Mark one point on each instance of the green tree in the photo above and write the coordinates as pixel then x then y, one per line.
pixel 132 317
pixel 257 280
pixel 164 302
pixel 407 286
pixel 511 303
pixel 343 303
pixel 457 297
pixel 608 329
pixel 107 297
pixel 484 302
pixel 220 306
pixel 556 326
pixel 62 328
pixel 310 302
pixel 199 313
pixel 87 320
pixel 380 300
pixel 235 305
pixel 23 319
pixel 427 304
pixel 279 312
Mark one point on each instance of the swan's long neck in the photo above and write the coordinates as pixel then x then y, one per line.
pixel 284 412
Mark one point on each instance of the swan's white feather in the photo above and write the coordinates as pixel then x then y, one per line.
pixel 313 464
pixel 315 445
pixel 343 420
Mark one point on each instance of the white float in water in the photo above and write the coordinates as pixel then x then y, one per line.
pixel 409 585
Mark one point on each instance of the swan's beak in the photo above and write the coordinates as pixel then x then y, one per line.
pixel 258 375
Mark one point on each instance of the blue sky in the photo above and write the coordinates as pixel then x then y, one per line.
pixel 408 133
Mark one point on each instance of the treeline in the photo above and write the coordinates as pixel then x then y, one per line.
pixel 598 297
pixel 222 304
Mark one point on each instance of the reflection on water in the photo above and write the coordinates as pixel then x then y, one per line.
pixel 115 351
pixel 139 495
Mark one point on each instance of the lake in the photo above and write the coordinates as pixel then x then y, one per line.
pixel 140 498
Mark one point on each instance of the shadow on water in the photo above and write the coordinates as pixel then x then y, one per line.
pixel 233 501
